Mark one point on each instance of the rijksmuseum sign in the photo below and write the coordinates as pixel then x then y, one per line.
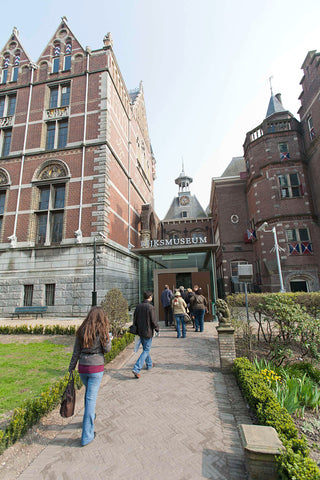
pixel 173 242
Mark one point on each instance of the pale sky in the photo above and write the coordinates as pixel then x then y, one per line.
pixel 204 64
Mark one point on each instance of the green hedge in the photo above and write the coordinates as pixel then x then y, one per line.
pixel 294 464
pixel 30 412
pixel 38 330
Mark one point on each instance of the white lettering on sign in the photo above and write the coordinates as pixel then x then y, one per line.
pixel 173 241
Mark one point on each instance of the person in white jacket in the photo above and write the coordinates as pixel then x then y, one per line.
pixel 179 309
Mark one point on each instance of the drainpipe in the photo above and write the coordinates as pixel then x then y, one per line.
pixel 129 183
pixel 13 237
pixel 78 232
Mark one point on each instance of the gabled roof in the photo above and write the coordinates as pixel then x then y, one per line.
pixel 14 39
pixel 62 33
pixel 194 210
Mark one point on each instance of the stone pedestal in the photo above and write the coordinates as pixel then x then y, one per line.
pixel 227 347
pixel 261 446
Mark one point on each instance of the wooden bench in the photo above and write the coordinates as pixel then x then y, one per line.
pixel 29 311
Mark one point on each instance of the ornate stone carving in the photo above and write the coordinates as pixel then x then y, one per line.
pixel 58 112
pixel 52 171
pixel 3 178
pixel 223 312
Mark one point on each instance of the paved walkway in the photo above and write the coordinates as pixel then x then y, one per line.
pixel 177 422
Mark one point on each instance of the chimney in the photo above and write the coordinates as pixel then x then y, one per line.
pixel 278 97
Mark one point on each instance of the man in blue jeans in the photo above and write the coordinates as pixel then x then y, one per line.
pixel 144 319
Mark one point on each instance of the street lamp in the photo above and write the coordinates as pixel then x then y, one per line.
pixel 94 292
pixel 277 249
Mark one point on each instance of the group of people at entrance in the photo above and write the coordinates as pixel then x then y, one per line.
pixel 181 303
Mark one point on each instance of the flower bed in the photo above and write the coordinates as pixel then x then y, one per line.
pixel 295 463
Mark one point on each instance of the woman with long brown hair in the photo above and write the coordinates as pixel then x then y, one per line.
pixel 92 342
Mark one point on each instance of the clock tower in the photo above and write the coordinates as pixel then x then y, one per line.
pixel 184 193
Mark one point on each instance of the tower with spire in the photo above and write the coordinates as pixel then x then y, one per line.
pixel 184 205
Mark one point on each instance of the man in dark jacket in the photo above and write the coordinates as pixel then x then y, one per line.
pixel 144 319
pixel 166 297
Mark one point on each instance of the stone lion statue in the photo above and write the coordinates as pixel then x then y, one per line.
pixel 223 312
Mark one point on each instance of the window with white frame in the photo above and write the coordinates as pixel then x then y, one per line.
pixel 290 185
pixel 59 95
pixel 5 140
pixel 50 213
pixel 57 134
pixel 299 242
pixel 7 105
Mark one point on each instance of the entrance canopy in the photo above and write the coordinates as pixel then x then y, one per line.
pixel 169 265
pixel 180 257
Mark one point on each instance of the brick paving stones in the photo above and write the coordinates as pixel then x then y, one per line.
pixel 177 422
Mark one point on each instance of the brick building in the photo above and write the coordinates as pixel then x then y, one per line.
pixel 76 166
pixel 271 196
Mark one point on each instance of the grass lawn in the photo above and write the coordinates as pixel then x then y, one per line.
pixel 26 369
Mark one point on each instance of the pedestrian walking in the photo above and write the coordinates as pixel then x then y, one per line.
pixel 179 309
pixel 92 342
pixel 199 307
pixel 145 321
pixel 165 298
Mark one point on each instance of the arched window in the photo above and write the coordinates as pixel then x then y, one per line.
pixel 56 57
pixel 51 185
pixel 67 55
pixel 5 66
pixel 15 69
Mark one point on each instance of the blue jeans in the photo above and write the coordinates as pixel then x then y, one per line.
pixel 180 318
pixel 145 355
pixel 92 383
pixel 199 319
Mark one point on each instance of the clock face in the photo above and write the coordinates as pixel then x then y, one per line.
pixel 184 200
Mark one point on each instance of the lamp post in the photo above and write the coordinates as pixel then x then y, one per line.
pixel 277 249
pixel 94 293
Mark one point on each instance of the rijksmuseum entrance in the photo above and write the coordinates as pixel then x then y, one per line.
pixel 185 266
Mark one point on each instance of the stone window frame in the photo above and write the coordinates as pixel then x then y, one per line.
pixel 50 175
pixel 289 189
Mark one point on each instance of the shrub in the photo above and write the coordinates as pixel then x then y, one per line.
pixel 116 308
pixel 293 464
pixel 285 322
